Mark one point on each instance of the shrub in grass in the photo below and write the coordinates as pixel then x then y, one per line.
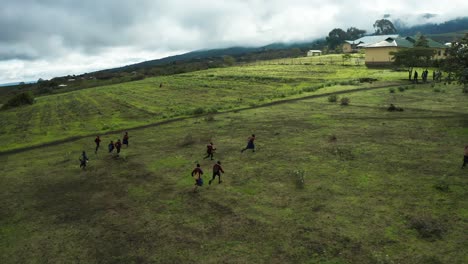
pixel 198 111
pixel 465 90
pixel 427 227
pixel 442 186
pixel 345 101
pixel 391 90
pixel 299 177
pixel 401 89
pixel 437 90
pixel 19 100
pixel 188 140
pixel 209 118
pixel 212 110
pixel 333 98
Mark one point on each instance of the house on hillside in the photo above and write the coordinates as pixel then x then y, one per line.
pixel 352 46
pixel 311 53
pixel 378 54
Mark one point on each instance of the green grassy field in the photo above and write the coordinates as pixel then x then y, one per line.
pixel 389 189
pixel 123 106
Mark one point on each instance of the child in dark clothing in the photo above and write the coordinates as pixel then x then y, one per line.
pixel 125 139
pixel 465 157
pixel 83 160
pixel 250 144
pixel 217 169
pixel 111 146
pixel 210 148
pixel 118 146
pixel 98 142
pixel 198 172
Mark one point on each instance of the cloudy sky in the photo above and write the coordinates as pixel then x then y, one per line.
pixel 47 38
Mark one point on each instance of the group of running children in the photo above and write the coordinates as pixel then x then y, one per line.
pixel 210 150
pixel 117 146
pixel 197 172
pixel 217 169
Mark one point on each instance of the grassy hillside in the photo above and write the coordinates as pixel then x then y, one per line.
pixel 127 105
pixel 389 189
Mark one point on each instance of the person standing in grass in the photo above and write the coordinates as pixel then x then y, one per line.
pixel 98 142
pixel 217 169
pixel 125 139
pixel 415 77
pixel 250 144
pixel 465 157
pixel 210 148
pixel 111 146
pixel 118 146
pixel 83 160
pixel 197 172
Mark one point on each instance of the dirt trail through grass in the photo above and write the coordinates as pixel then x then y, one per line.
pixel 70 139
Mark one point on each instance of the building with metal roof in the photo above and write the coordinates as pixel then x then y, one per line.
pixel 379 53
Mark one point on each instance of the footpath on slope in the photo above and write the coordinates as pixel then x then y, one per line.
pixel 156 124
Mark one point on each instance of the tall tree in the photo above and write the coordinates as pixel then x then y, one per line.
pixel 457 60
pixel 421 41
pixel 335 38
pixel 354 33
pixel 384 26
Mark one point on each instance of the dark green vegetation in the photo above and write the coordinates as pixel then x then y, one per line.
pixel 19 100
pixel 328 184
pixel 122 106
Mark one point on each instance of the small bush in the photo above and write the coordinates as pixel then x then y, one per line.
pixel 401 89
pixel 209 118
pixel 19 100
pixel 391 90
pixel 212 110
pixel 188 140
pixel 437 90
pixel 427 227
pixel 345 101
pixel 465 90
pixel 333 98
pixel 442 186
pixel 299 176
pixel 198 111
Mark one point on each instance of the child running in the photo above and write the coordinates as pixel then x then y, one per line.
pixel 83 160
pixel 98 142
pixel 118 145
pixel 111 146
pixel 250 144
pixel 125 139
pixel 465 157
pixel 210 148
pixel 198 180
pixel 217 169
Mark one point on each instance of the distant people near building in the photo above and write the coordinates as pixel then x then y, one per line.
pixel 217 170
pixel 465 157
pixel 83 160
pixel 197 173
pixel 97 140
pixel 125 139
pixel 111 146
pixel 210 149
pixel 415 79
pixel 434 75
pixel 250 144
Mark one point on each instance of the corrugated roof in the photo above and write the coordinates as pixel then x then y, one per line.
pixel 367 40
pixel 407 42
pixel 392 42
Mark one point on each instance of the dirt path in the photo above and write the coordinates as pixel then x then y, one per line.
pixel 71 139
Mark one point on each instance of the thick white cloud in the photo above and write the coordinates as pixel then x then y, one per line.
pixel 47 38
